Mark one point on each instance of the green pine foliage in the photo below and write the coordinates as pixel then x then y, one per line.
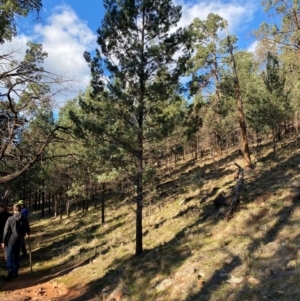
pixel 135 78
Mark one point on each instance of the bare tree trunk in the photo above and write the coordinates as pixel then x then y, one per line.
pixel 242 122
pixel 95 197
pixel 217 139
pixel 139 193
pixel 55 206
pixel 68 207
pixel 83 204
pixel 60 205
pixel 36 200
pixel 103 204
pixel 274 142
pixel 39 200
pixel 67 196
pixel 43 199
pixel 139 212
pixel 49 203
pixel 29 198
pixel 24 187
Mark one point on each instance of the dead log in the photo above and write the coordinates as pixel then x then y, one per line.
pixel 237 193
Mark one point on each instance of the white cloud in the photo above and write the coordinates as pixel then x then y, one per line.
pixel 253 46
pixel 17 46
pixel 65 38
pixel 237 13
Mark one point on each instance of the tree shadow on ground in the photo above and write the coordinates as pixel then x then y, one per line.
pixel 164 259
pixel 158 261
pixel 196 176
pixel 282 216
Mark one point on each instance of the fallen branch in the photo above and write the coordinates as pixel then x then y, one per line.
pixel 237 192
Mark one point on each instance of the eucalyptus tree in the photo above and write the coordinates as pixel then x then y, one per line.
pixel 208 66
pixel 239 102
pixel 285 31
pixel 27 93
pixel 252 87
pixel 205 65
pixel 134 72
pixel 206 70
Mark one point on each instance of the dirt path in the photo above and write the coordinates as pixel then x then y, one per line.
pixel 30 287
pixel 22 290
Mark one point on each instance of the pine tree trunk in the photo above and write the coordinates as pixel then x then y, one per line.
pixel 43 199
pixel 60 205
pixel 139 212
pixel 35 200
pixel 39 200
pixel 83 205
pixel 55 206
pixel 68 207
pixel 103 204
pixel 139 197
pixel 29 198
pixel 49 203
pixel 24 187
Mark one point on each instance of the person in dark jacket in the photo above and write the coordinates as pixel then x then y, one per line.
pixel 24 212
pixel 4 215
pixel 16 227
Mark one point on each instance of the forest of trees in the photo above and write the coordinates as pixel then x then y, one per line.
pixel 138 113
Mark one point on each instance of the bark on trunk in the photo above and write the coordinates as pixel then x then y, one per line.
pixel 242 122
pixel 60 205
pixel 55 206
pixel 139 208
pixel 68 207
pixel 103 204
pixel 49 203
pixel 43 199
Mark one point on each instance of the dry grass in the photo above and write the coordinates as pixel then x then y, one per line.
pixel 191 252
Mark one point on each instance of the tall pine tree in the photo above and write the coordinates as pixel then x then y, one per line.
pixel 135 74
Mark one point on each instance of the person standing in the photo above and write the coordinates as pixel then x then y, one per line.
pixel 16 227
pixel 25 214
pixel 4 215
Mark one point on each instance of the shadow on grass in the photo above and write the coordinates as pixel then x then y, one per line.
pixel 265 290
pixel 145 268
pixel 141 271
pixel 275 273
pixel 163 260
pixel 196 175
pixel 138 272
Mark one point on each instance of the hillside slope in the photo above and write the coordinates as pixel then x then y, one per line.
pixel 191 252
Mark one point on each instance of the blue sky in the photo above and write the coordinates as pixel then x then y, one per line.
pixel 67 28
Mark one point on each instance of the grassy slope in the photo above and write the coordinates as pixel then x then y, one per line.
pixel 192 253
